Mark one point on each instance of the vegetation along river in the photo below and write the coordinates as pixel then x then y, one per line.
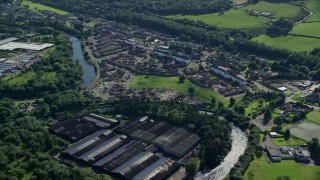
pixel 89 73
pixel 239 144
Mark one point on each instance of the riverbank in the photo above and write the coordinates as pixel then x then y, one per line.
pixel 89 71
pixel 239 145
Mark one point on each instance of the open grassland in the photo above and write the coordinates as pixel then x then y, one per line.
pixel 262 170
pixel 307 29
pixel 314 5
pixel 172 83
pixel 21 79
pixel 293 43
pixel 230 19
pixel 280 10
pixel 292 141
pixel 314 116
pixel 239 2
pixel 35 6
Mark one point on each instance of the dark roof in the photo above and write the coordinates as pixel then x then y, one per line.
pixel 103 149
pixel 88 143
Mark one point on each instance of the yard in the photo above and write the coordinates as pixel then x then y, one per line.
pixel 292 141
pixel 276 8
pixel 230 19
pixel 172 83
pixel 35 6
pixel 293 43
pixel 260 169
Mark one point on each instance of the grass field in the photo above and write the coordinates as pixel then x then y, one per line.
pixel 293 43
pixel 35 6
pixel 230 19
pixel 314 116
pixel 251 108
pixel 276 8
pixel 262 170
pixel 293 141
pixel 307 29
pixel 21 79
pixel 172 83
pixel 314 5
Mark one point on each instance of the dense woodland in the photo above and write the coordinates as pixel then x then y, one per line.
pixel 26 149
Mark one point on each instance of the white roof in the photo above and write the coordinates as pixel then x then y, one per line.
pixel 282 88
pixel 28 46
pixel 273 133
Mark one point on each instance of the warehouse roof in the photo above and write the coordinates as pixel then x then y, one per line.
pixel 27 46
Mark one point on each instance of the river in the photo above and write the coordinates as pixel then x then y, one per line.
pixel 239 144
pixel 89 73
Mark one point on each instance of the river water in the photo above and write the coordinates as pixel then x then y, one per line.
pixel 239 144
pixel 89 73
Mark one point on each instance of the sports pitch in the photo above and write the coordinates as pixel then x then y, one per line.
pixel 306 130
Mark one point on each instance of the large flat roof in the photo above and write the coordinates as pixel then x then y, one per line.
pixel 27 46
pixel 4 41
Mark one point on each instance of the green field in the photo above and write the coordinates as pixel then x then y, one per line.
pixel 35 6
pixel 21 79
pixel 251 108
pixel 230 19
pixel 293 43
pixel 262 170
pixel 280 10
pixel 293 141
pixel 307 29
pixel 172 83
pixel 314 5
pixel 314 116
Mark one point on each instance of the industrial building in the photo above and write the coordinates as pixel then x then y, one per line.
pixel 10 46
pixel 141 149
pixel 76 129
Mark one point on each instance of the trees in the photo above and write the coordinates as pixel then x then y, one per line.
pixel 232 102
pixel 267 115
pixel 181 79
pixel 191 91
pixel 314 148
pixel 278 121
pixel 192 167
pixel 287 134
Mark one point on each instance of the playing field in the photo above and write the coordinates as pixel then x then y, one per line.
pixel 306 130
pixel 35 6
pixel 314 116
pixel 280 10
pixel 230 19
pixel 172 83
pixel 314 5
pixel 293 43
pixel 261 170
pixel 307 29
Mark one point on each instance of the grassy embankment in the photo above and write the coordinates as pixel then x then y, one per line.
pixel 172 83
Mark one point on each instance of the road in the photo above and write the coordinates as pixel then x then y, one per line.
pixel 310 14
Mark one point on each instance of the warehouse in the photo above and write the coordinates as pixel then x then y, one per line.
pixel 10 46
pixel 76 129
